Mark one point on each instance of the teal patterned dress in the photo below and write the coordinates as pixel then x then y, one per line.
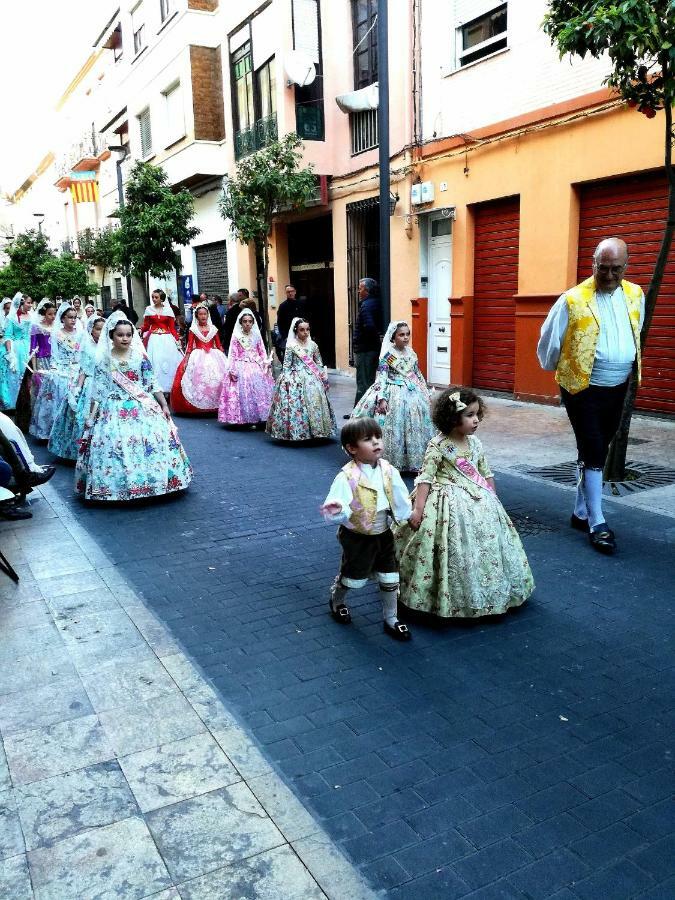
pixel 19 334
pixel 406 426
pixel 466 559
pixel 56 373
pixel 300 407
pixel 130 451
pixel 74 409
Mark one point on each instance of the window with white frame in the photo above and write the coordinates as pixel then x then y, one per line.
pixel 164 9
pixel 138 28
pixel 145 133
pixel 482 36
pixel 175 114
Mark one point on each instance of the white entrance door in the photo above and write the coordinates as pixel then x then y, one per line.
pixel 440 285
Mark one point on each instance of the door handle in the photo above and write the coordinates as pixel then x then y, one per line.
pixel 442 329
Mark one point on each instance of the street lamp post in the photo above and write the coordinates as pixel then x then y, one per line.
pixel 383 137
pixel 40 217
pixel 123 150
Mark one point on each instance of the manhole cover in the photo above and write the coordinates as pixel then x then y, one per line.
pixel 640 476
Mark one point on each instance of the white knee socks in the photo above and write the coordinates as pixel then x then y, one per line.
pixel 580 508
pixel 593 493
pixel 389 605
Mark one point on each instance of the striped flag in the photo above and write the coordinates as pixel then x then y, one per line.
pixel 84 191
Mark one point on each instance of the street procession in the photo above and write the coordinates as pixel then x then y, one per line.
pixel 337 415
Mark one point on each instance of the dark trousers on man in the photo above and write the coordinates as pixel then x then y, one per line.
pixel 594 414
pixel 366 370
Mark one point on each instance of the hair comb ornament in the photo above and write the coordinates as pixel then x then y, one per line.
pixel 459 406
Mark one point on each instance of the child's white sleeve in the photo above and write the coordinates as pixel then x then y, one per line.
pixel 340 492
pixel 402 506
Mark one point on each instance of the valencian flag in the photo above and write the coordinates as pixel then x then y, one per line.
pixel 84 191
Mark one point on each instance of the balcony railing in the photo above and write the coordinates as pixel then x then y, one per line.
pixel 87 148
pixel 363 126
pixel 263 132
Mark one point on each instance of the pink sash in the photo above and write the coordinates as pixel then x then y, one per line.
pixel 468 469
pixel 148 403
pixel 312 366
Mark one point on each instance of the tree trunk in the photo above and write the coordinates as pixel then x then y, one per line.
pixel 615 466
pixel 103 277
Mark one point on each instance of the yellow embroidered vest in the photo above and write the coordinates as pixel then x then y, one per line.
pixel 364 497
pixel 581 338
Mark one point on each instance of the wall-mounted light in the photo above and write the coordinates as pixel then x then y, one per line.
pixel 393 200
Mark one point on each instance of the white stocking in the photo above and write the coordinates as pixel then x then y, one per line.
pixel 580 508
pixel 593 494
pixel 389 599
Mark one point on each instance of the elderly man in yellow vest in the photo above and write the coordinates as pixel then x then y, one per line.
pixel 591 339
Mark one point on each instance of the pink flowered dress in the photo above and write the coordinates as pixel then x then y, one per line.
pixel 247 390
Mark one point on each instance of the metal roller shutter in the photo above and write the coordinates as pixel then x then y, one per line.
pixel 635 209
pixel 212 268
pixel 497 229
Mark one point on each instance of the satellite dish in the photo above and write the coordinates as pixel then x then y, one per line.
pixel 300 68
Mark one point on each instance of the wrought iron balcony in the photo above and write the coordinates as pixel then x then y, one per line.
pixel 80 156
pixel 263 132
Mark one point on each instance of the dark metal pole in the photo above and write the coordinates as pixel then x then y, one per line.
pixel 383 135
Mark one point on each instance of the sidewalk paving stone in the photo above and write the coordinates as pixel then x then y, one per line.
pixel 66 805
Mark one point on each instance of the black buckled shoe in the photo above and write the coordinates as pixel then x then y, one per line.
pixel 602 539
pixel 341 613
pixel 398 631
pixel 579 524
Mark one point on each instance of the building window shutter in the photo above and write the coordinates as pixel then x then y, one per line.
pixel 145 133
pixel 175 116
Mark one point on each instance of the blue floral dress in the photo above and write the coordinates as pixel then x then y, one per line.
pixel 54 384
pixel 70 418
pixel 131 451
pixel 300 407
pixel 19 334
pixel 406 426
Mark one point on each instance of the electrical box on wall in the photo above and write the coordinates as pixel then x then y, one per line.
pixel 422 193
pixel 427 191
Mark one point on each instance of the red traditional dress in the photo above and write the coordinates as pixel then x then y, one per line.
pixel 199 378
pixel 161 342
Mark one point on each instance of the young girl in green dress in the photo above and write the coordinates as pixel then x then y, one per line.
pixel 460 555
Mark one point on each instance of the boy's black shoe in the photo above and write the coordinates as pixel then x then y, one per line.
pixel 579 524
pixel 398 631
pixel 10 512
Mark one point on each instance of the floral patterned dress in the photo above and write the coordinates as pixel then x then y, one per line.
pixel 131 451
pixel 54 384
pixel 466 560
pixel 10 382
pixel 406 426
pixel 247 391
pixel 200 377
pixel 69 422
pixel 300 407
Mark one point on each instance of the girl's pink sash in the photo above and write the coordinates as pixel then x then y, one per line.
pixel 136 392
pixel 312 366
pixel 467 469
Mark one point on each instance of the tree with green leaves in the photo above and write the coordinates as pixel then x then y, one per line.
pixel 153 221
pixel 638 36
pixel 99 248
pixel 266 183
pixel 65 276
pixel 27 253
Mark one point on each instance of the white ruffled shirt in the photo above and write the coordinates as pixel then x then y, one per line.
pixel 341 492
pixel 615 350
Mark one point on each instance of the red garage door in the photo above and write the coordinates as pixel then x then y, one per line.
pixel 635 209
pixel 497 226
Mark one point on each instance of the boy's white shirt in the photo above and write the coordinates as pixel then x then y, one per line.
pixel 341 492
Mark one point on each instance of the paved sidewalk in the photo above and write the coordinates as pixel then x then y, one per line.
pixel 123 775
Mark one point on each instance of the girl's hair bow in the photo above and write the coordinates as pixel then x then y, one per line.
pixel 459 406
